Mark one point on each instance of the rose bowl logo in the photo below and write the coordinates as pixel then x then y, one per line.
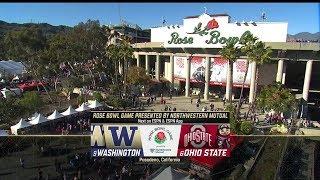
pixel 160 137
pixel 212 24
pixel 160 140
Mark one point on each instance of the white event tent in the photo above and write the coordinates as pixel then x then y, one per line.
pixel 94 104
pixel 36 114
pixel 55 115
pixel 38 120
pixel 5 92
pixel 83 107
pixel 20 125
pixel 69 111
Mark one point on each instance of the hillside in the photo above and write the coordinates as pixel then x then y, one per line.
pixel 47 28
pixel 306 36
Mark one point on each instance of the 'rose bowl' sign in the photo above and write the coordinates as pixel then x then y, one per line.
pixel 214 32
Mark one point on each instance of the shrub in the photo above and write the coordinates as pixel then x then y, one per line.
pixel 97 96
pixel 246 127
pixel 114 101
pixel 31 102
pixel 80 99
pixel 234 124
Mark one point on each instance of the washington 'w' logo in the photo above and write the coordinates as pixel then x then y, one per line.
pixel 123 134
pixel 112 136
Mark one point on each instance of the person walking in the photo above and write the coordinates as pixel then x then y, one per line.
pixel 191 100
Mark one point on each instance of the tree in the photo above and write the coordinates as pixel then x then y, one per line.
pixel 121 53
pixel 234 124
pixel 276 97
pixel 9 110
pixel 137 76
pixel 97 96
pixel 31 102
pixel 261 55
pixel 230 53
pixel 248 43
pixel 27 46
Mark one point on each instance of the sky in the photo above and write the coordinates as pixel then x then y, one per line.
pixel 301 17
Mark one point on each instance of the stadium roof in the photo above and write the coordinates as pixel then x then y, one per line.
pixel 211 15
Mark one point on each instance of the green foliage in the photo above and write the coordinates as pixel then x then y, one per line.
pixel 30 102
pixel 115 89
pixel 276 97
pixel 137 76
pixel 230 52
pixel 246 127
pixel 80 99
pixel 115 101
pixel 72 82
pixel 9 110
pixel 234 123
pixel 97 96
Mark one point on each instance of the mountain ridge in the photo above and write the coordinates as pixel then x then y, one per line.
pixel 52 29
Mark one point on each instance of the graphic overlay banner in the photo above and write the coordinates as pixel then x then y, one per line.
pixel 159 134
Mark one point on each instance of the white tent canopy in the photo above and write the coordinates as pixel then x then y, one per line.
pixel 20 125
pixel 55 115
pixel 36 114
pixel 14 91
pixel 3 133
pixel 5 92
pixel 38 120
pixel 94 104
pixel 83 107
pixel 15 78
pixel 69 111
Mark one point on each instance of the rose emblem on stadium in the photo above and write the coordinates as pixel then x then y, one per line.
pixel 212 24
pixel 160 137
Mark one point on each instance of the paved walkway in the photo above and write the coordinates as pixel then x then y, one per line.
pixel 182 103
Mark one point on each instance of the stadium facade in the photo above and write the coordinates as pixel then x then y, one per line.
pixel 188 54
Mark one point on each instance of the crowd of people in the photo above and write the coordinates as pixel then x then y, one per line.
pixel 277 119
pixel 111 168
pixel 75 126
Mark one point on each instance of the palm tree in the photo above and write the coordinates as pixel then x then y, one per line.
pixel 248 43
pixel 125 53
pixel 261 55
pixel 230 53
